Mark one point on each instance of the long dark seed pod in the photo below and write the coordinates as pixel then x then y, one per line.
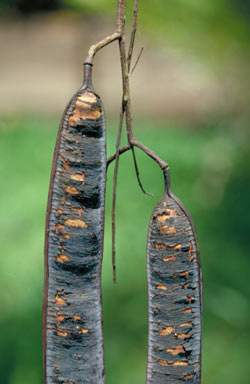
pixel 72 323
pixel 174 294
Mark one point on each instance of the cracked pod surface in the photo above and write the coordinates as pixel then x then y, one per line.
pixel 72 323
pixel 174 294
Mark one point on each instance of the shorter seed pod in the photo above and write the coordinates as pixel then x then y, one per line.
pixel 174 294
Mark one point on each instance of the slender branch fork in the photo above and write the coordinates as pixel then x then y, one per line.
pixel 126 109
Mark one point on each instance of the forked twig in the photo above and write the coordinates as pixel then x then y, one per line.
pixel 126 102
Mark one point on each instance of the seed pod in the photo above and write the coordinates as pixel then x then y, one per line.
pixel 72 324
pixel 174 294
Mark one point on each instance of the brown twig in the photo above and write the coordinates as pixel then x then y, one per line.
pixel 137 61
pixel 117 154
pixel 111 38
pixel 126 101
pixel 121 151
pixel 133 33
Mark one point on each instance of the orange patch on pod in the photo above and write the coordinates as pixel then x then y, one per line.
pixel 187 377
pixel 72 190
pixel 188 310
pixel 175 351
pixel 58 227
pixel 190 248
pixel 167 215
pixel 78 210
pixel 161 286
pixel 63 258
pixel 83 109
pixel 160 245
pixel 78 177
pixel 61 333
pixel 83 331
pixel 76 318
pixel 174 364
pixel 169 258
pixel 66 165
pixel 166 230
pixel 177 247
pixel 76 223
pixel 183 335
pixel 184 274
pixel 65 235
pixel 189 324
pixel 88 97
pixel 190 298
pixel 59 318
pixel 166 331
pixel 60 301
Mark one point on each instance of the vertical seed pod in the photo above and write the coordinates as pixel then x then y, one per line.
pixel 72 324
pixel 174 294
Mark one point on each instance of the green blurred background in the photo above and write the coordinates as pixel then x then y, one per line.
pixel 204 135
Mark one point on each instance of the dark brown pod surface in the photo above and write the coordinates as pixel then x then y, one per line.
pixel 73 340
pixel 174 287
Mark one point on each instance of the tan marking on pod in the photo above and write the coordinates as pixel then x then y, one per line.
pixel 66 165
pixel 59 318
pixel 189 298
pixel 59 211
pixel 77 357
pixel 174 364
pixel 63 197
pixel 79 211
pixel 161 286
pixel 63 258
pixel 183 335
pixel 59 226
pixel 190 248
pixel 62 333
pixel 78 177
pixel 72 190
pixel 160 245
pixel 177 247
pixel 175 351
pixel 83 112
pixel 187 377
pixel 167 215
pixel 165 246
pixel 184 274
pixel 166 230
pixel 169 258
pixel 65 235
pixel 188 310
pixel 88 97
pixel 188 324
pixel 76 318
pixel 60 301
pixel 76 223
pixel 83 331
pixel 166 331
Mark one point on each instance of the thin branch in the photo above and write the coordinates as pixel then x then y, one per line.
pixel 121 151
pixel 133 33
pixel 118 143
pixel 163 165
pixel 137 60
pixel 101 44
pixel 109 39
pixel 138 174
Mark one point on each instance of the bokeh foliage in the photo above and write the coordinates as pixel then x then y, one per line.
pixel 210 175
